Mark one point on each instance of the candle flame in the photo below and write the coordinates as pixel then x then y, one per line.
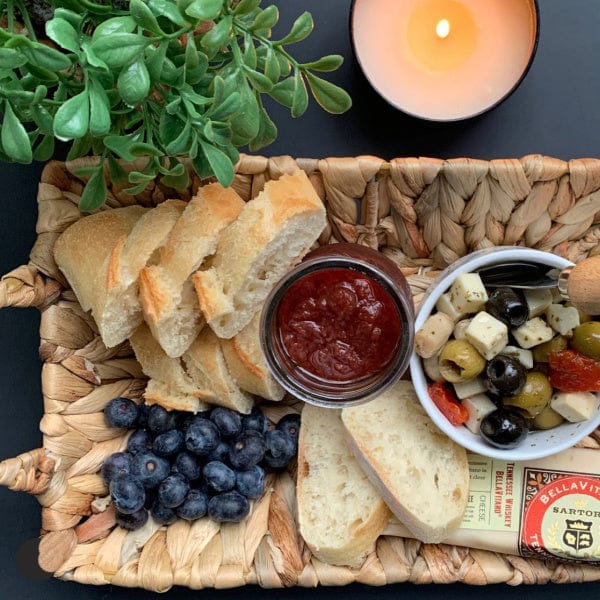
pixel 442 29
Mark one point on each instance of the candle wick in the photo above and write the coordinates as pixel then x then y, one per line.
pixel 442 29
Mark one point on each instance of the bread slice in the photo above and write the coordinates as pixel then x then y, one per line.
pixel 273 230
pixel 420 472
pixel 247 364
pixel 169 384
pixel 340 513
pixel 206 366
pixel 167 294
pixel 83 250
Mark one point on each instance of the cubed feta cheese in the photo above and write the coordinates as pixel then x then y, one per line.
pixel 472 387
pixel 574 406
pixel 444 305
pixel 478 407
pixel 468 294
pixel 525 357
pixel 563 319
pixel 460 328
pixel 532 333
pixel 487 334
pixel 433 335
pixel 538 301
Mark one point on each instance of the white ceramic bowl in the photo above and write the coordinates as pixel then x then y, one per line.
pixel 538 443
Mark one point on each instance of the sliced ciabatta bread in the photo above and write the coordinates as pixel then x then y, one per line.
pixel 340 513
pixel 205 364
pixel 274 230
pixel 247 363
pixel 82 252
pixel 421 473
pixel 169 384
pixel 167 294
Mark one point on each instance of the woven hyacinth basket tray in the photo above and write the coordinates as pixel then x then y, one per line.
pixel 423 214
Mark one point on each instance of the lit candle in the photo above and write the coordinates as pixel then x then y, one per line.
pixel 444 60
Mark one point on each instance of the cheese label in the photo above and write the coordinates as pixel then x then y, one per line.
pixel 560 516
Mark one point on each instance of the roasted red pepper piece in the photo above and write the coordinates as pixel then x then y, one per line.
pixel 445 399
pixel 571 371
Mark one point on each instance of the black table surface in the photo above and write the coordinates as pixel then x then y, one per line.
pixel 556 112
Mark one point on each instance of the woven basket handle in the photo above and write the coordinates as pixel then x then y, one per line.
pixel 30 472
pixel 25 286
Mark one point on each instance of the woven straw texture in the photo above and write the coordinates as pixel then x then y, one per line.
pixel 423 214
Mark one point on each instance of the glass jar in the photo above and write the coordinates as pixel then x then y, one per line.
pixel 338 329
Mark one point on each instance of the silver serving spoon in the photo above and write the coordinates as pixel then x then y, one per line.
pixel 580 284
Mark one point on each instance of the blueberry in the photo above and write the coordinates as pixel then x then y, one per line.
pixel 168 443
pixel 150 498
pixel 218 476
pixel 187 465
pixel 149 469
pixel 127 494
pixel 201 437
pixel 121 412
pixel 255 420
pixel 247 450
pixel 220 453
pixel 143 412
pixel 160 420
pixel 280 449
pixel 139 441
pixel 250 483
pixel 118 463
pixel 290 424
pixel 194 506
pixel 161 513
pixel 133 521
pixel 228 422
pixel 173 490
pixel 229 506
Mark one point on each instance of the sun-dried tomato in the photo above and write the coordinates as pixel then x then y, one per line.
pixel 445 399
pixel 571 371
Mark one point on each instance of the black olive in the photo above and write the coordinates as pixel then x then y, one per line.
pixel 507 306
pixel 504 428
pixel 505 375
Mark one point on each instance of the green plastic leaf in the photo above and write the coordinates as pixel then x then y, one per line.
pixel 99 109
pixel 41 74
pixel 63 33
pixel 245 7
pixel 205 10
pixel 181 143
pixel 45 149
pixel 266 18
pixel 250 58
pixel 300 30
pixel 47 58
pixel 300 98
pixel 170 74
pixel 72 119
pixel 11 58
pixel 40 93
pixel 137 189
pixel 219 163
pixel 144 17
pixel 284 64
pixel 192 60
pixel 133 82
pixel 143 149
pixel 167 9
pixel 14 138
pixel 259 81
pixel 125 24
pixel 119 49
pixel 43 119
pixel 177 181
pixel 80 147
pixel 120 145
pixel 329 96
pixel 70 16
pixel 155 56
pixel 94 193
pixel 90 55
pixel 18 96
pixel 218 35
pixel 230 105
pixel 267 132
pixel 217 133
pixel 331 62
pixel 139 177
pixel 283 92
pixel 116 171
pixel 272 68
pixel 245 122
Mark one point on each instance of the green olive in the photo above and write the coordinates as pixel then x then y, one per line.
pixel 586 339
pixel 556 344
pixel 547 419
pixel 534 396
pixel 459 361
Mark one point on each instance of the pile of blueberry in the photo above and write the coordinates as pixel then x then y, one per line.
pixel 180 465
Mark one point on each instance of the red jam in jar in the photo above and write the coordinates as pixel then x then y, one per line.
pixel 339 324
